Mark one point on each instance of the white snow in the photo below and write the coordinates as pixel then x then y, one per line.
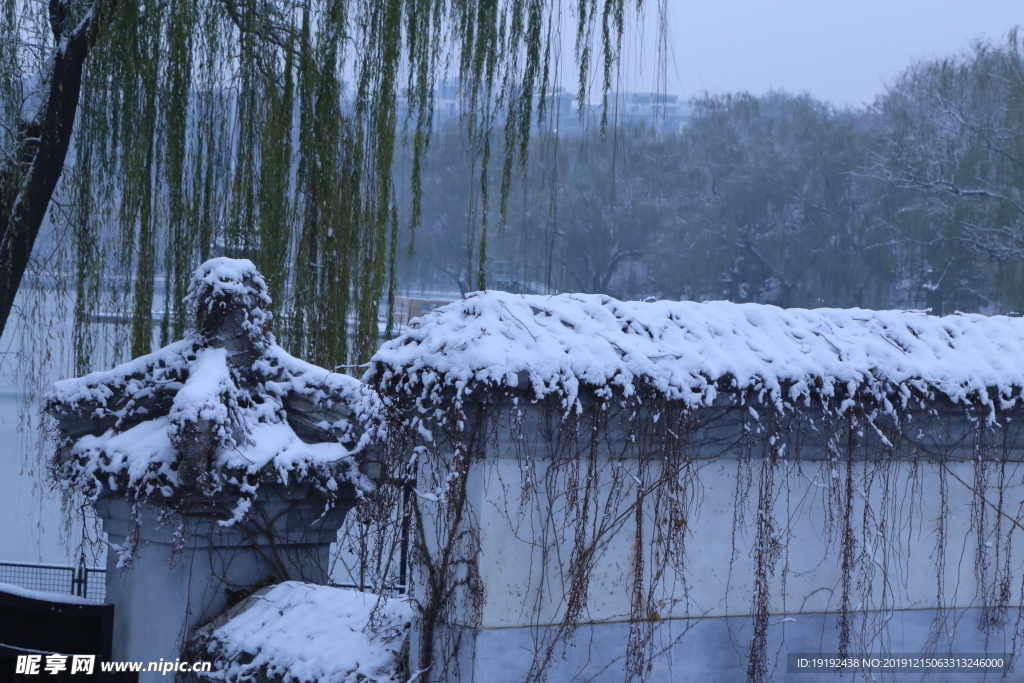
pixel 202 397
pixel 691 351
pixel 245 415
pixel 227 275
pixel 224 279
pixel 307 633
pixel 48 596
pixel 206 389
pixel 144 453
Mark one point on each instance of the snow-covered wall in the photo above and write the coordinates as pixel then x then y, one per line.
pixel 691 352
pixel 674 491
pixel 926 564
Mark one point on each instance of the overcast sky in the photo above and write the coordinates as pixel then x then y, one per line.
pixel 842 51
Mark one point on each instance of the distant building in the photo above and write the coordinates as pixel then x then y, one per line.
pixel 661 112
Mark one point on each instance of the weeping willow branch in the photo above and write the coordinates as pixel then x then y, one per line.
pixel 266 129
pixel 27 184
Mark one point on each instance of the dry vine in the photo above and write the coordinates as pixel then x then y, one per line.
pixel 624 478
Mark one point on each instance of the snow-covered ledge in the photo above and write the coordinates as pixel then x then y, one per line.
pixel 671 491
pixel 219 464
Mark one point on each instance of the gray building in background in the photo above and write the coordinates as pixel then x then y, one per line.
pixel 661 112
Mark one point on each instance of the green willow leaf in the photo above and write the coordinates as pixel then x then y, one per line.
pixel 268 129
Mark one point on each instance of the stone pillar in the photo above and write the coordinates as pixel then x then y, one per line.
pixel 186 570
pixel 219 464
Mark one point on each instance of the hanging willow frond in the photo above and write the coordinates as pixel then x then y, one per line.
pixel 268 129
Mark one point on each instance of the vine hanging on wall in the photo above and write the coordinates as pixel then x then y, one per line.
pixel 550 438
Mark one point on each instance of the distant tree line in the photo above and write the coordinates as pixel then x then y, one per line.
pixel 914 202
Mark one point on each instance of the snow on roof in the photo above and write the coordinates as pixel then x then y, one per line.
pixel 692 352
pixel 220 407
pixel 300 632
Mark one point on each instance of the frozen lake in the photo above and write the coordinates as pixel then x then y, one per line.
pixel 33 525
pixel 34 528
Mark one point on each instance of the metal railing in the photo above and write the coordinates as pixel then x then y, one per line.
pixel 86 582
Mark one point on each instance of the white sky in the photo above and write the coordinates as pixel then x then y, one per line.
pixel 844 52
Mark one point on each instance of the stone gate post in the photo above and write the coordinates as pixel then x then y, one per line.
pixel 219 464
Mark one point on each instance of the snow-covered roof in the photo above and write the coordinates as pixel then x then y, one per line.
pixel 225 406
pixel 311 634
pixel 694 352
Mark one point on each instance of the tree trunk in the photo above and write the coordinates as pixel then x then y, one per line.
pixel 26 188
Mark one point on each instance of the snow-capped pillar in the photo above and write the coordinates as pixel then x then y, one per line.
pixel 219 465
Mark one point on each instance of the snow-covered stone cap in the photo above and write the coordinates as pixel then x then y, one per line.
pixel 229 301
pixel 695 352
pixel 222 410
pixel 302 633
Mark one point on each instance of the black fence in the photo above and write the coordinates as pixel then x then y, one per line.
pixel 85 582
pixel 56 630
